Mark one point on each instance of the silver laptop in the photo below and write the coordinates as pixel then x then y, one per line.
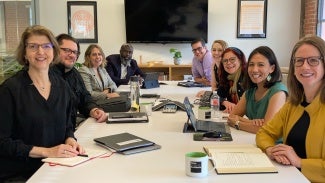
pixel 202 125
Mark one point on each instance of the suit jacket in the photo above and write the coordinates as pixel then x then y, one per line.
pixel 114 69
pixel 94 85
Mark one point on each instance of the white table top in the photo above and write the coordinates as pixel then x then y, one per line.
pixel 164 165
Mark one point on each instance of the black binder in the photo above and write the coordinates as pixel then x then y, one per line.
pixel 126 143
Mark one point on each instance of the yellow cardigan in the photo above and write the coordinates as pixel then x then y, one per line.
pixel 314 166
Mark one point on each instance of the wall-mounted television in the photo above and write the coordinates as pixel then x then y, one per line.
pixel 166 21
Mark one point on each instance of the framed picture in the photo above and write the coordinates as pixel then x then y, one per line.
pixel 82 21
pixel 251 18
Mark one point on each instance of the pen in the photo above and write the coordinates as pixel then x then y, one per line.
pixel 83 155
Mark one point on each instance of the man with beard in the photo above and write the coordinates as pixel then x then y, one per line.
pixel 121 67
pixel 82 101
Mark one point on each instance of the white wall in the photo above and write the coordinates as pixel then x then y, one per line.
pixel 283 24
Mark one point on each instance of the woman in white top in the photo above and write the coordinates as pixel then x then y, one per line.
pixel 96 79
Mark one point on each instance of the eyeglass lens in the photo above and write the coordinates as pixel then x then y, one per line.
pixel 312 61
pixel 35 46
pixel 231 60
pixel 69 51
pixel 197 49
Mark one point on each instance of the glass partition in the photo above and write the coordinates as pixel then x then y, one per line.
pixel 15 16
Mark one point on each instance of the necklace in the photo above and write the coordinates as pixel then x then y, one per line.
pixel 40 87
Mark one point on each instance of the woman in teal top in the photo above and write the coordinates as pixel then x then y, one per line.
pixel 265 93
pixel 257 109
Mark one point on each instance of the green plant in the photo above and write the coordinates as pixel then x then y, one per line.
pixel 177 53
pixel 77 65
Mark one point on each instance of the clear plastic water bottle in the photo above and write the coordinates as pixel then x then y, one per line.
pixel 134 93
pixel 215 106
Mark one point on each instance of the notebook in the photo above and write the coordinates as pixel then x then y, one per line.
pixel 126 143
pixel 73 161
pixel 195 125
pixel 127 117
pixel 190 84
pixel 124 93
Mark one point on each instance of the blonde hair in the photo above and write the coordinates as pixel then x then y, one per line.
pixel 223 44
pixel 88 53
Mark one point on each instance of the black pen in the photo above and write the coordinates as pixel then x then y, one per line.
pixel 83 155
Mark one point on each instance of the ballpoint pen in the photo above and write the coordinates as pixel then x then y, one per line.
pixel 83 155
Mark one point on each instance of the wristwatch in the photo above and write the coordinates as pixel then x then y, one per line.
pixel 237 125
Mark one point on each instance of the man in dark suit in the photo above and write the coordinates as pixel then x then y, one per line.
pixel 121 67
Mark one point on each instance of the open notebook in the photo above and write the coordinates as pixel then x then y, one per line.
pixel 73 161
pixel 239 158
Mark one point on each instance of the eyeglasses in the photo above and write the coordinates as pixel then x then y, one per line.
pixel 34 46
pixel 312 61
pixel 197 49
pixel 231 60
pixel 69 51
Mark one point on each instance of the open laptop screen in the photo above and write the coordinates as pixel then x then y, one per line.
pixel 190 113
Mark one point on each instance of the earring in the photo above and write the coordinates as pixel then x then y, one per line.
pixel 268 78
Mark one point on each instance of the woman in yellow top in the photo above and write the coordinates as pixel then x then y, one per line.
pixel 301 120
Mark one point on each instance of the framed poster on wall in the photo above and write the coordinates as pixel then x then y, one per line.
pixel 251 18
pixel 82 21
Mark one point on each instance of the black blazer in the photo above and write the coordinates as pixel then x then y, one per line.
pixel 114 69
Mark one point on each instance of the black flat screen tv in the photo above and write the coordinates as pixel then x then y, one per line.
pixel 166 21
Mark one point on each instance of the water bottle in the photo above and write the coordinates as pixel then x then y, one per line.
pixel 134 93
pixel 215 106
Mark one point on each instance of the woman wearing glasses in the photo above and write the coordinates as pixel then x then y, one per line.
pixel 35 108
pixel 231 74
pixel 265 93
pixel 301 120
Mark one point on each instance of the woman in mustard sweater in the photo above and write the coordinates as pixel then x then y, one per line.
pixel 301 120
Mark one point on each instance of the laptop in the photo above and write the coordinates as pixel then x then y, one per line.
pixel 195 125
pixel 150 80
pixel 190 84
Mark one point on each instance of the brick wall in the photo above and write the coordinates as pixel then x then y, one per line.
pixel 16 20
pixel 310 17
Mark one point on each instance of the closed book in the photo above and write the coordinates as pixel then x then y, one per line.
pixel 126 117
pixel 239 158
pixel 126 143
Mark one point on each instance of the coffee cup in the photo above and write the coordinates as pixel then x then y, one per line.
pixel 197 164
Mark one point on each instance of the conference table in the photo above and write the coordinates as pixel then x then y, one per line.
pixel 164 165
